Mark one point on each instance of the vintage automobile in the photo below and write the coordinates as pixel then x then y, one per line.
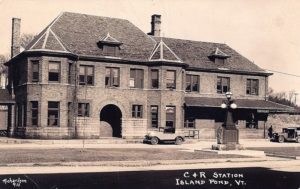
pixel 289 134
pixel 164 135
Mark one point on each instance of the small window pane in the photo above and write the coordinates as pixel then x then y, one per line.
pixel 89 70
pixel 35 66
pixel 53 104
pixel 82 70
pixel 54 71
pixel 53 66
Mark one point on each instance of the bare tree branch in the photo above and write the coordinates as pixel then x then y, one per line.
pixel 3 59
pixel 26 38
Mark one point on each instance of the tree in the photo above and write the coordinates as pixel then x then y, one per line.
pixel 282 97
pixel 3 58
pixel 26 38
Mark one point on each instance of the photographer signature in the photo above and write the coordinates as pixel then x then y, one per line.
pixel 14 182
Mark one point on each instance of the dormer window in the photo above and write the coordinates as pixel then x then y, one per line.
pixel 220 60
pixel 110 50
pixel 218 56
pixel 109 45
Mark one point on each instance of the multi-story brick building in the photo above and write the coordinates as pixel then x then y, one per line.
pixel 87 76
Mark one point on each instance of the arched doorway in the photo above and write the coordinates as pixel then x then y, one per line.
pixel 110 121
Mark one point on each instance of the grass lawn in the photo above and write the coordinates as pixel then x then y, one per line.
pixel 79 155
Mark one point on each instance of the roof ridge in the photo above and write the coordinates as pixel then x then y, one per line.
pixel 107 17
pixel 46 38
pixel 190 40
pixel 57 38
pixel 44 32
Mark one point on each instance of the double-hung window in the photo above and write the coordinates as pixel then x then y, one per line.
pixel 192 83
pixel 54 71
pixel 137 111
pixel 112 77
pixel 53 114
pixel 154 116
pixel 170 116
pixel 86 75
pixel 154 79
pixel 34 113
pixel 223 84
pixel 83 110
pixel 136 78
pixel 35 71
pixel 171 79
pixel 252 87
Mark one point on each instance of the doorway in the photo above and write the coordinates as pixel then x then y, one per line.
pixel 110 121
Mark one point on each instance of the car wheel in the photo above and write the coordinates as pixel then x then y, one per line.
pixel 298 139
pixel 280 139
pixel 178 140
pixel 154 140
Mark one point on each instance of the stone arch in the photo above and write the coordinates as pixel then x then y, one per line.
pixel 111 114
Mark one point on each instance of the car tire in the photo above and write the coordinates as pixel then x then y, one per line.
pixel 298 139
pixel 178 140
pixel 154 140
pixel 281 139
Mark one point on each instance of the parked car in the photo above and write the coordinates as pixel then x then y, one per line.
pixel 287 134
pixel 164 135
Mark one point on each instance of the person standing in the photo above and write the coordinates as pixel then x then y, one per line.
pixel 270 131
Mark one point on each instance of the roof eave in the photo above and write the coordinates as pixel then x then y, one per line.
pixel 230 71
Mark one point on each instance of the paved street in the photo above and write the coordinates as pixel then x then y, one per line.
pixel 247 177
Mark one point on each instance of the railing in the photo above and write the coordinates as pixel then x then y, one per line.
pixel 192 133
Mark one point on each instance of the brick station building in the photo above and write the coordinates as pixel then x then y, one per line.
pixel 87 76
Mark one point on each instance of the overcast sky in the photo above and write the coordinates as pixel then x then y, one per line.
pixel 265 31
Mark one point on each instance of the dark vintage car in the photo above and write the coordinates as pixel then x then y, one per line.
pixel 164 135
pixel 289 134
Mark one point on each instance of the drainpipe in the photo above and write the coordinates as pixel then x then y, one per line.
pixel 75 100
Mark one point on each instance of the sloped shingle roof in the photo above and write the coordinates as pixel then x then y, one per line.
pixel 241 103
pixel 196 54
pixel 79 34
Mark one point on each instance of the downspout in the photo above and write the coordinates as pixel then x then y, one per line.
pixel 266 98
pixel 75 99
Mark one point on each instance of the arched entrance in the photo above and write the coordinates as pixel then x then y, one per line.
pixel 110 121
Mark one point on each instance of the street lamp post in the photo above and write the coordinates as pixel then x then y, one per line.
pixel 228 134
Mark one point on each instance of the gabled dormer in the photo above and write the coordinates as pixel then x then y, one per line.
pixel 109 45
pixel 218 56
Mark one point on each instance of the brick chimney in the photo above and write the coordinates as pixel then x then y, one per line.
pixel 155 25
pixel 15 37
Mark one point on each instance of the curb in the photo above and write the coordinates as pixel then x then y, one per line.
pixel 283 156
pixel 135 163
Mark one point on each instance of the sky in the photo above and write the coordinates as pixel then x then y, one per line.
pixel 267 32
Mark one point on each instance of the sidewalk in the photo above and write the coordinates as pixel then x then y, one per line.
pixel 117 143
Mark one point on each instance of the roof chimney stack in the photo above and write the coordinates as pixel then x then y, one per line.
pixel 16 37
pixel 155 25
